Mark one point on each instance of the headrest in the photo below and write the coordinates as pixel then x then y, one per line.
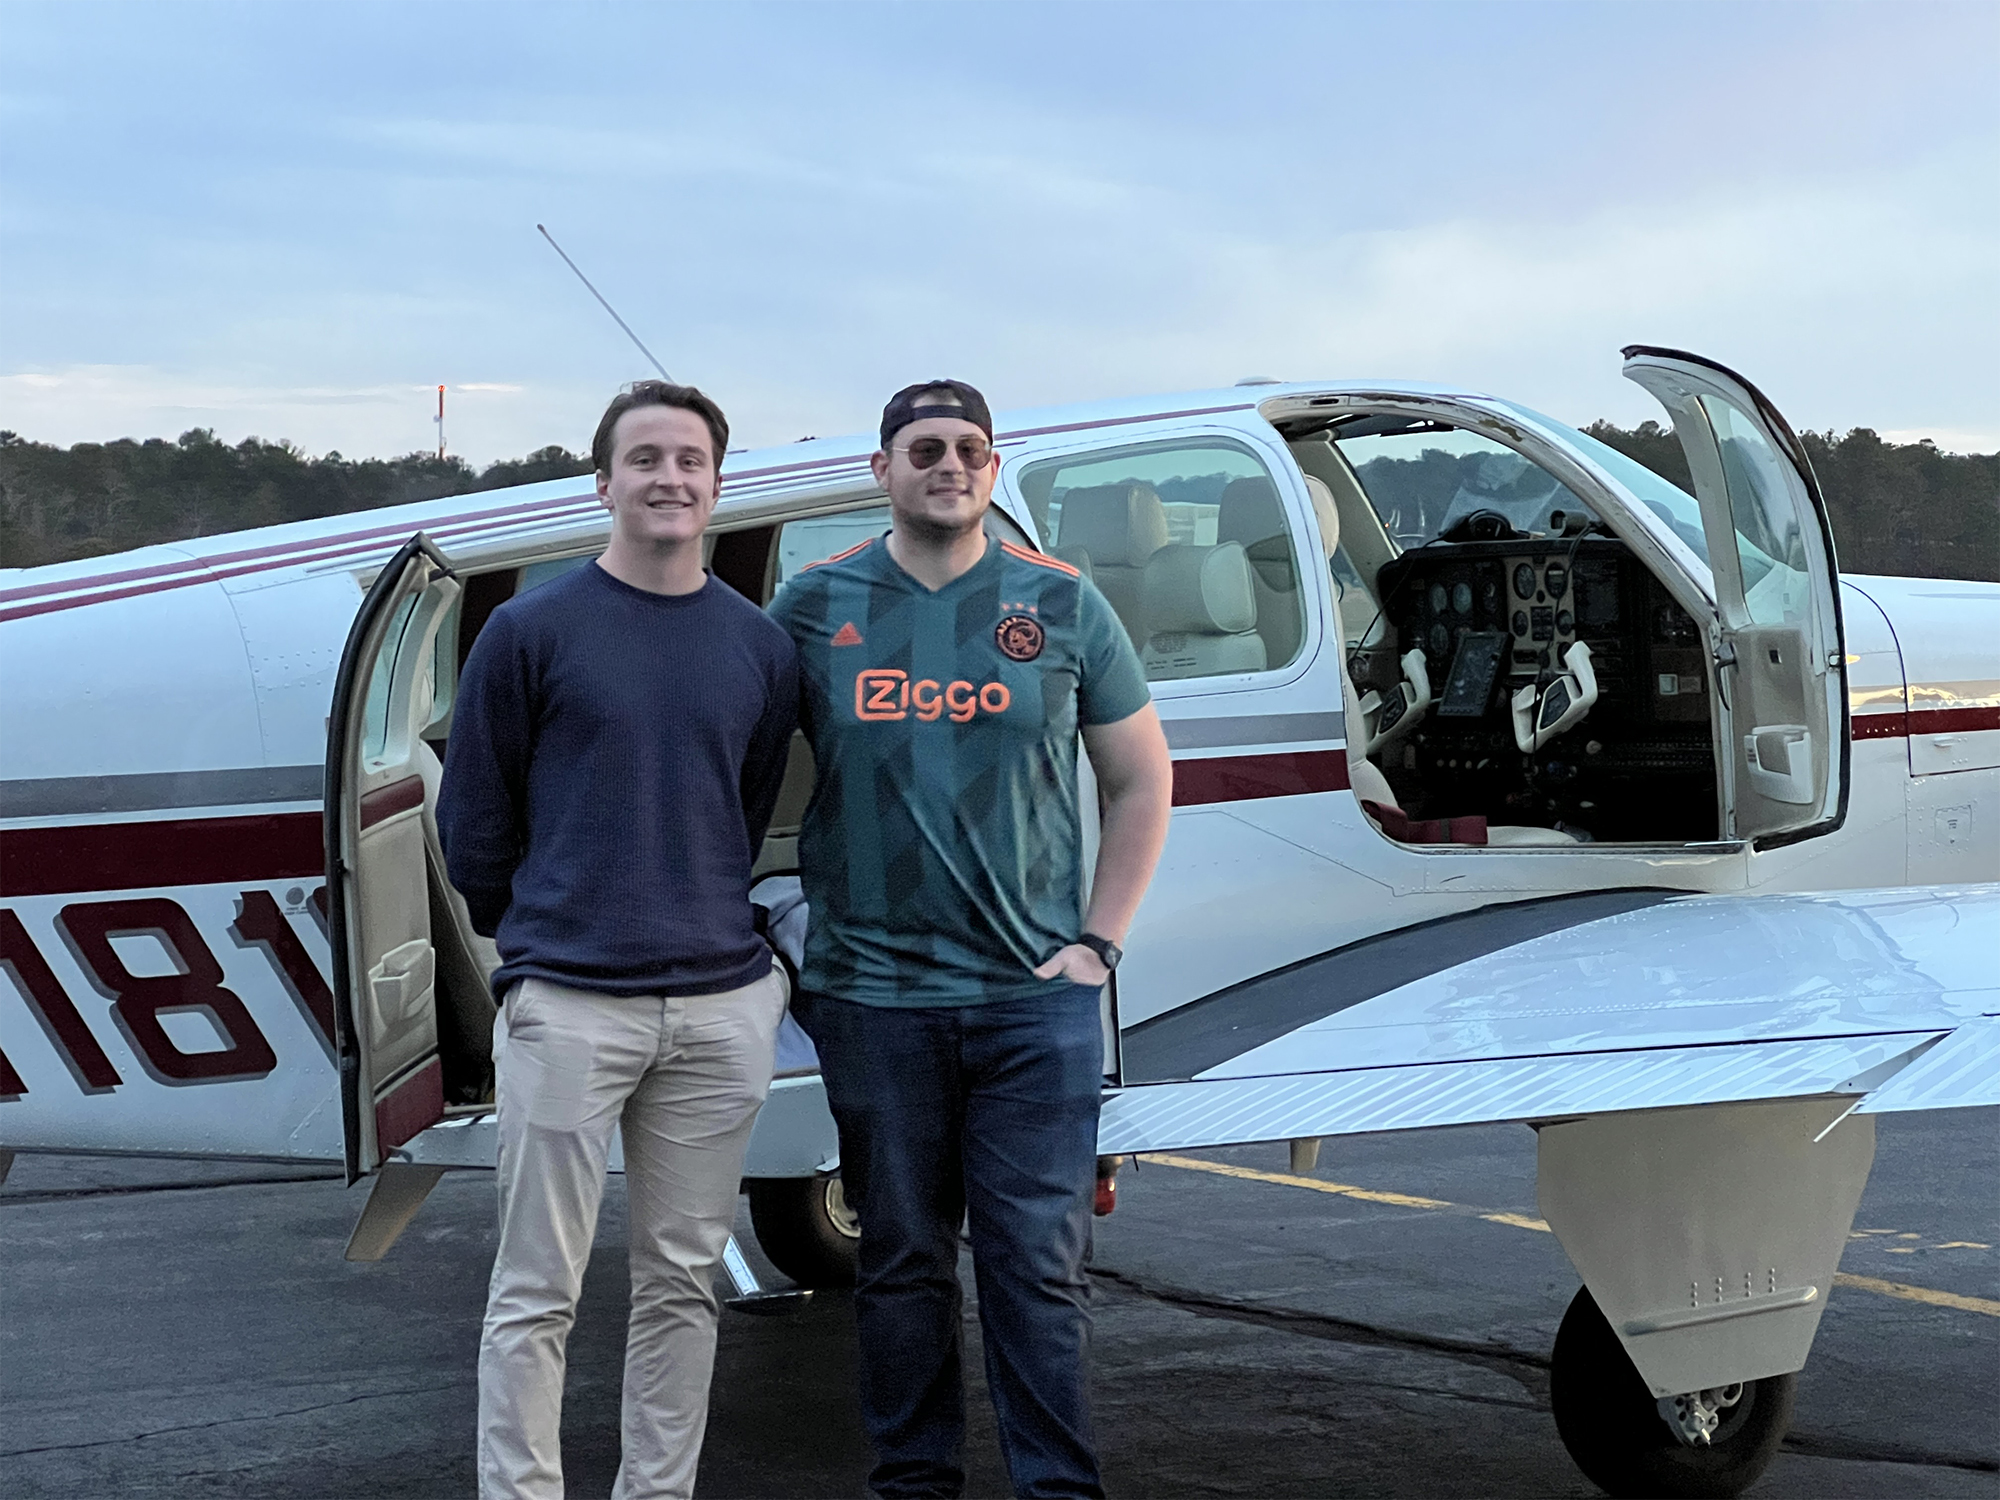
pixel 1119 525
pixel 1078 558
pixel 1326 511
pixel 1249 513
pixel 1205 590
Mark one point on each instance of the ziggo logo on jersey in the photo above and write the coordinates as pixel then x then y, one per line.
pixel 882 694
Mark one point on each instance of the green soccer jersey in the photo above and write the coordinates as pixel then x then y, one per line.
pixel 941 851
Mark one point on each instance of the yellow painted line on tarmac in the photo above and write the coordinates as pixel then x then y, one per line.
pixel 1928 1295
pixel 1285 1179
pixel 1518 1221
pixel 1910 1293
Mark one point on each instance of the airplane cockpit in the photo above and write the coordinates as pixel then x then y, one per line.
pixel 1517 675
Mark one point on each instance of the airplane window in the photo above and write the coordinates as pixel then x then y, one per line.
pixel 815 537
pixel 1190 542
pixel 375 707
pixel 535 574
pixel 1667 500
pixel 1769 547
pixel 1424 478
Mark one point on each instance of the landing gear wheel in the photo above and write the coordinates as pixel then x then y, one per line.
pixel 805 1226
pixel 1615 1431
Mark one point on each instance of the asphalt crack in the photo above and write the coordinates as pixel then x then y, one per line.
pixel 269 1416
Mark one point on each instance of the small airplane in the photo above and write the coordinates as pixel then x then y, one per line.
pixel 1512 783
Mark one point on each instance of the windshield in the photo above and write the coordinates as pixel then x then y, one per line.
pixel 1424 480
pixel 1672 504
pixel 1667 500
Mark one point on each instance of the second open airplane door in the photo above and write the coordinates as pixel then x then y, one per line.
pixel 1780 652
pixel 385 694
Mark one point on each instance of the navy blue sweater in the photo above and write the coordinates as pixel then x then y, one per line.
pixel 613 762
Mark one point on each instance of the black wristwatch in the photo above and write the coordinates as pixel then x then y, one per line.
pixel 1108 953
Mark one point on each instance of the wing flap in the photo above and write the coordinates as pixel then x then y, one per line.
pixel 1233 1111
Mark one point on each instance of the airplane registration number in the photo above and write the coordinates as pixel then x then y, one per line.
pixel 141 1003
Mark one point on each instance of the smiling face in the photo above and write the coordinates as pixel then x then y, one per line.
pixel 663 483
pixel 945 501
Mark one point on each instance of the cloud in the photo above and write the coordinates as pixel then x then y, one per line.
pixel 1472 197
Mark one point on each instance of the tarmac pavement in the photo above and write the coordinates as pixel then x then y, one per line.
pixel 176 1328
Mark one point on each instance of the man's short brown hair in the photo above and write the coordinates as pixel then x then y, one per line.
pixel 658 393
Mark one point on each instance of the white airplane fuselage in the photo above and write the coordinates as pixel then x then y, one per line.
pixel 164 743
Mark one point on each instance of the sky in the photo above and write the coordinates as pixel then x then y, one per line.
pixel 296 220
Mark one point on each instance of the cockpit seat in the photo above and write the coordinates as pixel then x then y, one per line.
pixel 1118 527
pixel 1378 801
pixel 1250 514
pixel 1078 558
pixel 1202 605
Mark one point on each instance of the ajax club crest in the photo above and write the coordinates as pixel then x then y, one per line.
pixel 1020 637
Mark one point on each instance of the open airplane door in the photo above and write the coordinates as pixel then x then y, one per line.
pixel 378 910
pixel 1780 654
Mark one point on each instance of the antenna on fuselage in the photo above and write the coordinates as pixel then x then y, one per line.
pixel 605 305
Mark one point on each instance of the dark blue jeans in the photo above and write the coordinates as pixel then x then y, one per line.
pixel 988 1110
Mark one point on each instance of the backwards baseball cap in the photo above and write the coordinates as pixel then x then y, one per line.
pixel 935 398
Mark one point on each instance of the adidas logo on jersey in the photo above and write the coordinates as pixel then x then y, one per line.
pixel 847 635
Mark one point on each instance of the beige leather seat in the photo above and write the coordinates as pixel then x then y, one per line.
pixel 1328 515
pixel 1250 514
pixel 1078 558
pixel 1370 785
pixel 1202 604
pixel 1118 527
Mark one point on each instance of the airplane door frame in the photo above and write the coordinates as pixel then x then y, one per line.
pixel 359 798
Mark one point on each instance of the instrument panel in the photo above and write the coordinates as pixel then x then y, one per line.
pixel 1494 616
pixel 1536 597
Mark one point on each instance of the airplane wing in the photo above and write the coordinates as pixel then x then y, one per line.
pixel 1890 996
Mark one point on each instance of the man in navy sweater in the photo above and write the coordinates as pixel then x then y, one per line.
pixel 615 755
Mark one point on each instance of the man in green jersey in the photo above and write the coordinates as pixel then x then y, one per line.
pixel 952 976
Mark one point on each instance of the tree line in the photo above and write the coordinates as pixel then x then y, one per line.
pixel 62 503
pixel 1902 508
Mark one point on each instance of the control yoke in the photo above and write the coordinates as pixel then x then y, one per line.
pixel 1391 715
pixel 1543 712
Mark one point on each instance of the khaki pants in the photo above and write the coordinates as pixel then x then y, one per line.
pixel 683 1076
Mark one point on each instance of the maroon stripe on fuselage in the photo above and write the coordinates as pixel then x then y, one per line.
pixel 1895 726
pixel 387 801
pixel 142 856
pixel 1889 726
pixel 1244 778
pixel 1954 720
